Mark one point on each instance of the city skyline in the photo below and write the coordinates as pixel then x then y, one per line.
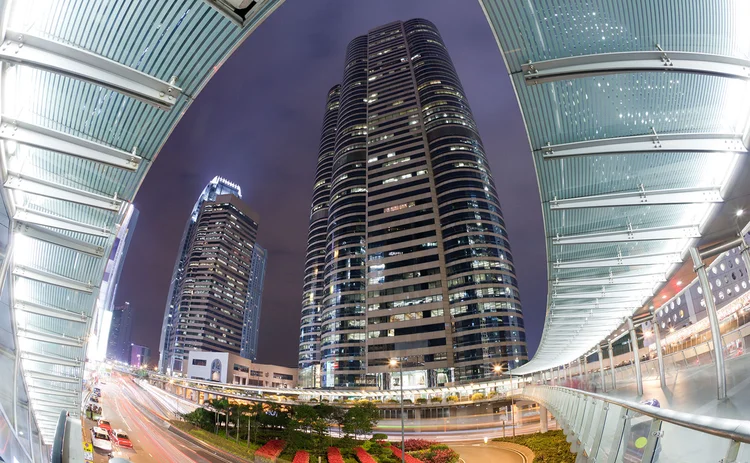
pixel 283 198
pixel 408 255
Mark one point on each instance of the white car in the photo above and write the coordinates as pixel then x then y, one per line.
pixel 100 439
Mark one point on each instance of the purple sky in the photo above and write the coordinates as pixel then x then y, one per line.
pixel 257 123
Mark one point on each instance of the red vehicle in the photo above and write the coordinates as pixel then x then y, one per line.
pixel 104 424
pixel 120 438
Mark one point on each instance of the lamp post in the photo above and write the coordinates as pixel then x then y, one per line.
pixel 393 362
pixel 499 369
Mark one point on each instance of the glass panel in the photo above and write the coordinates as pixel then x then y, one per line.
pixel 682 445
pixel 608 436
pixel 595 422
pixel 635 439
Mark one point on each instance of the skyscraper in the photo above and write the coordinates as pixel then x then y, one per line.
pixel 251 324
pixel 121 327
pixel 208 295
pixel 408 256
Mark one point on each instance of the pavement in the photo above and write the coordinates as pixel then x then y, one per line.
pixel 493 452
pixel 693 390
pixel 143 418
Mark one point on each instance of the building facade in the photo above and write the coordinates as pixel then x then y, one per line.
pixel 408 254
pixel 212 291
pixel 251 324
pixel 121 327
pixel 224 367
pixel 217 186
pixel 139 356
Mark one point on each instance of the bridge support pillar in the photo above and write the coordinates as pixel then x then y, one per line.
pixel 636 357
pixel 543 425
pixel 713 319
pixel 612 364
pixel 585 370
pixel 659 355
pixel 601 366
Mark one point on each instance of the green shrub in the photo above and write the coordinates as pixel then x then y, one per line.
pixel 407 401
pixel 379 436
pixel 438 447
pixel 452 398
pixel 392 401
pixel 421 400
pixel 436 399
pixel 477 396
pixel 550 447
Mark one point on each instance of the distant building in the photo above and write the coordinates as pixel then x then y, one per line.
pixel 224 367
pixel 121 327
pixel 208 296
pixel 251 324
pixel 139 355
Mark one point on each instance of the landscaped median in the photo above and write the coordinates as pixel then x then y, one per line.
pixel 548 447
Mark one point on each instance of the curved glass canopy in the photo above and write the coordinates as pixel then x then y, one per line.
pixel 90 92
pixel 637 116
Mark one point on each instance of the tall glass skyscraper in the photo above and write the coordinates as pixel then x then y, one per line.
pixel 408 255
pixel 209 290
pixel 251 324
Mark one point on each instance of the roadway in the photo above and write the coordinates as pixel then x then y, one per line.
pixel 144 419
pixel 485 453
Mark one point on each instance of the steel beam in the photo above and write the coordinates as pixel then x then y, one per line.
pixel 59 239
pixel 659 353
pixel 636 358
pixel 52 279
pixel 37 186
pixel 626 278
pixel 50 338
pixel 596 304
pixel 26 133
pixel 603 294
pixel 59 58
pixel 631 234
pixel 713 319
pixel 638 259
pixel 680 142
pixel 62 223
pixel 49 311
pixel 53 391
pixel 38 375
pixel 51 359
pixel 641 198
pixel 575 67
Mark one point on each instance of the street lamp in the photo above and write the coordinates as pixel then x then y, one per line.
pixel 393 362
pixel 499 369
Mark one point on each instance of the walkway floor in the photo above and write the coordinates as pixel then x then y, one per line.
pixel 694 390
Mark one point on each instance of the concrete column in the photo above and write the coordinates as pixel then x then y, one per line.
pixel 543 427
pixel 552 376
pixel 601 366
pixel 580 369
pixel 585 369
pixel 659 355
pixel 636 357
pixel 612 364
pixel 713 319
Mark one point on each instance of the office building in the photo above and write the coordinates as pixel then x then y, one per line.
pixel 208 297
pixel 140 356
pixel 251 324
pixel 121 327
pixel 408 254
pixel 215 366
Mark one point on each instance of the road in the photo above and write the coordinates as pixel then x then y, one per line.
pixel 486 453
pixel 133 410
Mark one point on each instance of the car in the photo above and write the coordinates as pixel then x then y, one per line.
pixel 119 438
pixel 97 391
pixel 104 424
pixel 94 399
pixel 100 439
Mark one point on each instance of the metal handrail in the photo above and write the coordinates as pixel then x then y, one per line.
pixel 58 446
pixel 737 430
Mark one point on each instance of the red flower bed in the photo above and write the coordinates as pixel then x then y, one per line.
pixel 271 450
pixel 301 457
pixel 409 459
pixel 363 456
pixel 411 445
pixel 334 455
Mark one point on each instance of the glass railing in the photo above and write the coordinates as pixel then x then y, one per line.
pixel 603 429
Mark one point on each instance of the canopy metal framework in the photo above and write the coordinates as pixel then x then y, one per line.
pixel 90 93
pixel 638 118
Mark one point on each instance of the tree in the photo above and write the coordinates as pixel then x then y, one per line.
pixel 306 416
pixel 361 419
pixel 256 411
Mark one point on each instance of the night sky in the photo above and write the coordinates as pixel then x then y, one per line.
pixel 257 123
